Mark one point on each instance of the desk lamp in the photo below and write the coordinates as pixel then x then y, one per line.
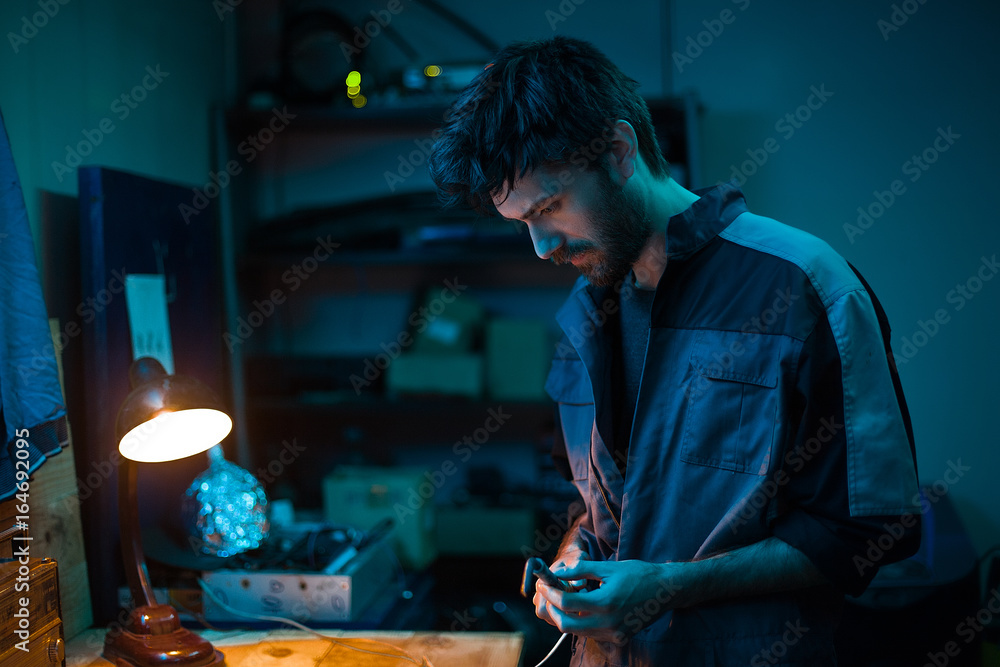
pixel 164 418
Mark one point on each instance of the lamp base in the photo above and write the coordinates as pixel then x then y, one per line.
pixel 154 637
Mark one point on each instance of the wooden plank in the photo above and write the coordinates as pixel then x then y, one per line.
pixel 292 648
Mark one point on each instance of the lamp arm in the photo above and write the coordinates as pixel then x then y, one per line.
pixel 131 535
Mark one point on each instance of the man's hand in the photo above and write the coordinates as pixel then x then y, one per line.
pixel 568 558
pixel 631 595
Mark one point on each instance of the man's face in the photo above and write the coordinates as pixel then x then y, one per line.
pixel 587 220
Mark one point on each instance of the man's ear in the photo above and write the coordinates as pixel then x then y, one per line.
pixel 623 151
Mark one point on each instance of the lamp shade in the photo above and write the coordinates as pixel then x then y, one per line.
pixel 168 417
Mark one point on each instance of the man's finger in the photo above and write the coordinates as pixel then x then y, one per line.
pixel 542 608
pixel 579 602
pixel 584 569
pixel 595 625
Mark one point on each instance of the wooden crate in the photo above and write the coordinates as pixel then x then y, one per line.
pixel 55 528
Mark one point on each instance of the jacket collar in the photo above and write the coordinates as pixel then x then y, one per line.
pixel 687 232
pixel 701 222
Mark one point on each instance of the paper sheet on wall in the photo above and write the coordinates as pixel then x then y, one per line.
pixel 146 298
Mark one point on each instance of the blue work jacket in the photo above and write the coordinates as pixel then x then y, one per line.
pixel 768 406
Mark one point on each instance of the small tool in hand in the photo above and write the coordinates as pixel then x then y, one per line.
pixel 536 567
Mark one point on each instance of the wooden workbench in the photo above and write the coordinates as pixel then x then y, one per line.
pixel 293 648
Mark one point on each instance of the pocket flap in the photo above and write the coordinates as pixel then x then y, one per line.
pixel 737 357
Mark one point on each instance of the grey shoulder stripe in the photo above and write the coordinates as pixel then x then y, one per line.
pixel 828 272
pixel 881 479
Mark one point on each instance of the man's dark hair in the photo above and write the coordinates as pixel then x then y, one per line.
pixel 538 104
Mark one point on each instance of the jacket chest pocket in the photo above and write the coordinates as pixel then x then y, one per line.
pixel 733 401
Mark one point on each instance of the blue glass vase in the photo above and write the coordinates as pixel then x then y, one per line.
pixel 225 509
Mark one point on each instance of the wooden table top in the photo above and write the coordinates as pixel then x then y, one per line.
pixel 295 648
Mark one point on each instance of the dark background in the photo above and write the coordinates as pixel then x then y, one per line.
pixel 747 63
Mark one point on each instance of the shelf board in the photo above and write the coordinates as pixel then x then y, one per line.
pixel 385 423
pixel 318 119
pixel 399 405
pixel 389 271
pixel 403 256
pixel 399 118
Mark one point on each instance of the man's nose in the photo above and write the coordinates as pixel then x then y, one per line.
pixel 545 241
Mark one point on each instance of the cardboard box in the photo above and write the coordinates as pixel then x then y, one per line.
pixel 362 496
pixel 308 597
pixel 447 322
pixel 518 356
pixel 448 374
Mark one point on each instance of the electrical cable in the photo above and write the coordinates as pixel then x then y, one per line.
pixel 404 46
pixel 552 652
pixel 400 573
pixel 989 576
pixel 196 615
pixel 400 42
pixel 278 619
pixel 475 33
pixel 989 552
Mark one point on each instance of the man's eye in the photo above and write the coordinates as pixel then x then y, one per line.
pixel 547 210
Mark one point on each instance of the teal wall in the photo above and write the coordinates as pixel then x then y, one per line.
pixel 892 90
pixel 58 86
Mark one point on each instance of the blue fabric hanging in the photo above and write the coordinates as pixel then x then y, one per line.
pixel 31 402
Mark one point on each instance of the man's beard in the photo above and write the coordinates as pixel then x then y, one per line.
pixel 621 231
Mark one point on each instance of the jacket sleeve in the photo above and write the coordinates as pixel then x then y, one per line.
pixel 850 502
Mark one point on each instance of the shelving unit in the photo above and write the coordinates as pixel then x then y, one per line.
pixel 278 396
